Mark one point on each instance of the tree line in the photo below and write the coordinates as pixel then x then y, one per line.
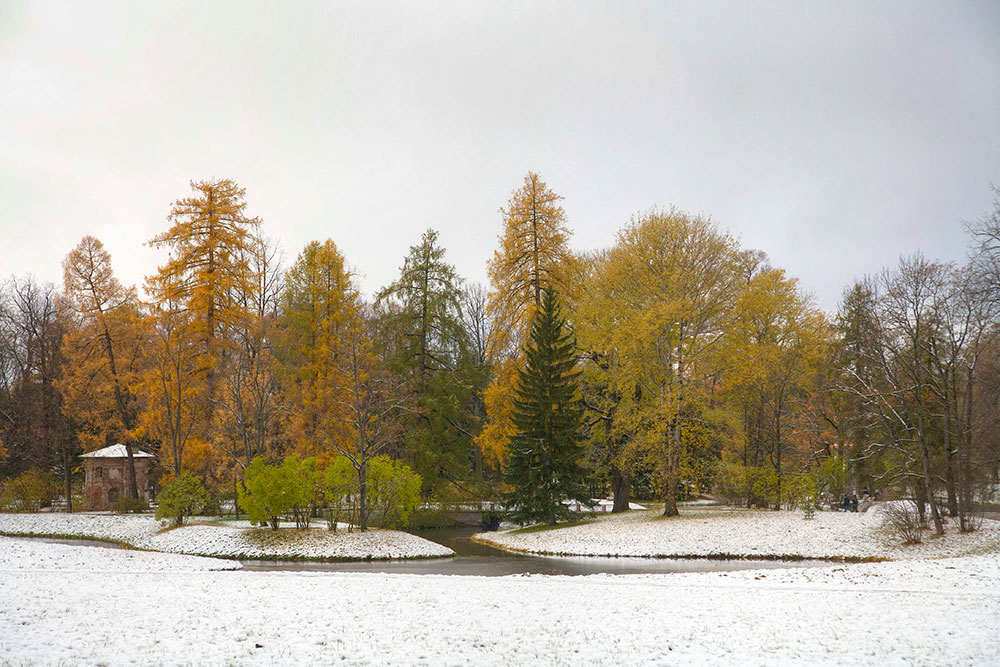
pixel 682 363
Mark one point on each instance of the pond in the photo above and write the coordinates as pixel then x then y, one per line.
pixel 472 558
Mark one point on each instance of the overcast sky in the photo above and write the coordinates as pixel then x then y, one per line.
pixel 834 136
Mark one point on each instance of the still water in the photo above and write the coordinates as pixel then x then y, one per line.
pixel 476 559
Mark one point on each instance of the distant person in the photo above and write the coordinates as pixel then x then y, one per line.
pixel 846 504
pixel 854 503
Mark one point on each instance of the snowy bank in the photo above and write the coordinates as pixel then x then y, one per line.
pixel 914 613
pixel 224 541
pixel 18 555
pixel 734 533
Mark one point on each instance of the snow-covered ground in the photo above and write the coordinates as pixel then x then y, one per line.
pixel 743 534
pixel 86 605
pixel 225 541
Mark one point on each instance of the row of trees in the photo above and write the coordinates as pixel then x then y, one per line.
pixel 689 355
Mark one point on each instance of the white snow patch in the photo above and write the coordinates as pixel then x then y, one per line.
pixel 67 611
pixel 743 534
pixel 145 532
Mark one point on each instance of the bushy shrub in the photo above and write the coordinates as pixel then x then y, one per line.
pixel 183 496
pixel 830 476
pixel 28 492
pixel 269 491
pixel 130 505
pixel 731 483
pixel 393 491
pixel 749 485
pixel 903 520
pixel 798 491
pixel 340 490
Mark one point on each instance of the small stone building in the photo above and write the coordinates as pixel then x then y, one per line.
pixel 107 476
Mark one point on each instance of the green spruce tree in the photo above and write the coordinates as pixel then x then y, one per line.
pixel 544 467
pixel 427 344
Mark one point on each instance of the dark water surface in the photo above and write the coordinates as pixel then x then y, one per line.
pixel 472 558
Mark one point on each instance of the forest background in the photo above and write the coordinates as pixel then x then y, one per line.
pixel 703 368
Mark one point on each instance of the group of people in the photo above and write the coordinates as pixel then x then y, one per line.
pixel 850 503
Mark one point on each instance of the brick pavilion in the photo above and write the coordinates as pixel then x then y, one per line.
pixel 107 476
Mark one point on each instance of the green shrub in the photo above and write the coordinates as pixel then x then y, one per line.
pixel 798 491
pixel 831 476
pixel 393 491
pixel 130 505
pixel 28 492
pixel 738 484
pixel 269 491
pixel 340 489
pixel 183 496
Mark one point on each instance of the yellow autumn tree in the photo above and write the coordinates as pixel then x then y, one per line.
pixel 198 302
pixel 104 351
pixel 533 254
pixel 774 348
pixel 665 291
pixel 210 242
pixel 321 307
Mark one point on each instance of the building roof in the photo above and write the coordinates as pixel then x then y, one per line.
pixel 116 452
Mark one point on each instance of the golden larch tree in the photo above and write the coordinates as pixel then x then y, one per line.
pixel 534 254
pixel 104 352
pixel 210 241
pixel 320 307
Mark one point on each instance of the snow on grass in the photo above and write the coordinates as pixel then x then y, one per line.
pixel 35 556
pixel 225 541
pixel 742 534
pixel 914 613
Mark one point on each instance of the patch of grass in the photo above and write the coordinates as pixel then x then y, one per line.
pixel 538 528
pixel 228 518
pixel 699 513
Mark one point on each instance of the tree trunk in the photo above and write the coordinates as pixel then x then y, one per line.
pixel 964 450
pixel 133 489
pixel 67 480
pixel 621 489
pixel 777 450
pixel 920 497
pixel 925 462
pixel 363 495
pixel 949 455
pixel 673 472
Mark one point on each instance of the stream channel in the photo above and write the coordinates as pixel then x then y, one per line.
pixel 474 559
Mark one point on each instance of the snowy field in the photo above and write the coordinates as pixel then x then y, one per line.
pixel 226 541
pixel 743 534
pixel 72 605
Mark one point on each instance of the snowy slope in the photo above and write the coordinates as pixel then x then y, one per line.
pixel 743 533
pixel 144 532
pixel 914 613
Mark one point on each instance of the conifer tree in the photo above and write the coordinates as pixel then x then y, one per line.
pixel 421 320
pixel 533 254
pixel 544 467
pixel 211 243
